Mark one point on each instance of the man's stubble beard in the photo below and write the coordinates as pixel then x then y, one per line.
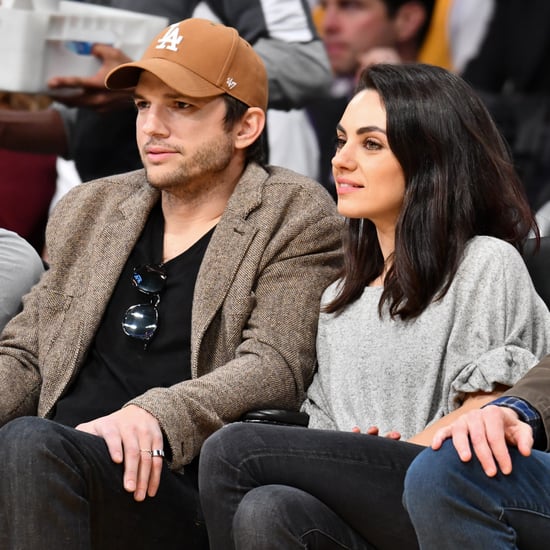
pixel 199 173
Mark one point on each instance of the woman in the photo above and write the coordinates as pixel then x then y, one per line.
pixel 434 314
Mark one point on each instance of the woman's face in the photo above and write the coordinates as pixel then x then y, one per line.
pixel 369 180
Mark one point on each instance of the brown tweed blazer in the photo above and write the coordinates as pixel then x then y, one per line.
pixel 255 310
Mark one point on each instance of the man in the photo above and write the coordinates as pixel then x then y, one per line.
pixel 497 496
pixel 178 298
pixel 357 34
pixel 354 31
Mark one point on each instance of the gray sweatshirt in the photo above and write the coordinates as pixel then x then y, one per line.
pixel 490 328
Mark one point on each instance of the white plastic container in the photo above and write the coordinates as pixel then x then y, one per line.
pixel 40 39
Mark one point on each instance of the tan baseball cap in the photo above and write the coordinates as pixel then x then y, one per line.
pixel 199 58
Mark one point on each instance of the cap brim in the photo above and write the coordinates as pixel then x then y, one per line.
pixel 172 74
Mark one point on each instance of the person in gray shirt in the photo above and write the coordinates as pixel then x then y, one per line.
pixel 20 268
pixel 434 314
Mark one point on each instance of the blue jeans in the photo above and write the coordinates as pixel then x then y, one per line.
pixel 454 505
pixel 60 489
pixel 273 487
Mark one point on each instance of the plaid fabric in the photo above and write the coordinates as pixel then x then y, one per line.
pixel 525 412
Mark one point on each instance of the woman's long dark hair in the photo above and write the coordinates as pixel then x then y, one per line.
pixel 459 182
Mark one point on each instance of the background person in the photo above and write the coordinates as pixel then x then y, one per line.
pixel 27 180
pixel 515 84
pixel 20 269
pixel 95 127
pixel 357 34
pixel 456 31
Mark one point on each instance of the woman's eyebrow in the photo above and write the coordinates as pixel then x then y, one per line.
pixel 366 129
pixel 363 129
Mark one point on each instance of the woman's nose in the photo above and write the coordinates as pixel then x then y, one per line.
pixel 343 158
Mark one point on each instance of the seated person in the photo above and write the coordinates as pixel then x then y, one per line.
pixel 20 268
pixel 488 486
pixel 434 315
pixel 178 297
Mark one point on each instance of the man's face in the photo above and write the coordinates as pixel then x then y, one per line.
pixel 353 27
pixel 182 141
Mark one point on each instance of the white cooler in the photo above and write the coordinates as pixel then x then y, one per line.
pixel 40 39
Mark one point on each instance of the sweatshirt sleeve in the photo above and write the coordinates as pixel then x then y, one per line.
pixel 508 320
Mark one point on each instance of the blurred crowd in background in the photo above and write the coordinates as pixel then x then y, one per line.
pixel 52 141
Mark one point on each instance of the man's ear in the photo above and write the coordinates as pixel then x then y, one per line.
pixel 409 20
pixel 249 128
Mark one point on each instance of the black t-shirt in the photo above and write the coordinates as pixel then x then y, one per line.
pixel 118 368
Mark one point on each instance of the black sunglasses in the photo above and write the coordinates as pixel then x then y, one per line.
pixel 141 320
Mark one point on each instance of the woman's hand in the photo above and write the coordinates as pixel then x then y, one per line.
pixel 373 430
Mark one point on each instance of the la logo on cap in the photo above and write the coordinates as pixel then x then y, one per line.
pixel 171 39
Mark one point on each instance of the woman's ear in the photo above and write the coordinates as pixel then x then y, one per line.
pixel 249 128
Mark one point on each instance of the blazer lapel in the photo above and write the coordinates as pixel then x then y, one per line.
pixel 225 252
pixel 112 248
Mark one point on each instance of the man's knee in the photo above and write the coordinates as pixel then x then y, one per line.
pixel 429 474
pixel 21 431
pixel 24 437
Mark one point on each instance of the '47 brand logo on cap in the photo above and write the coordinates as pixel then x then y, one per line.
pixel 171 39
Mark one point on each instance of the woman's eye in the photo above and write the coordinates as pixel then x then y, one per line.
pixel 140 105
pixel 339 143
pixel 182 105
pixel 372 144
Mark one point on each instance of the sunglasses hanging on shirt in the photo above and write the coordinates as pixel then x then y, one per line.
pixel 141 320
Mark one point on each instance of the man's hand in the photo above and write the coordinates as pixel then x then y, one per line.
pixel 488 431
pixel 130 434
pixel 91 91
